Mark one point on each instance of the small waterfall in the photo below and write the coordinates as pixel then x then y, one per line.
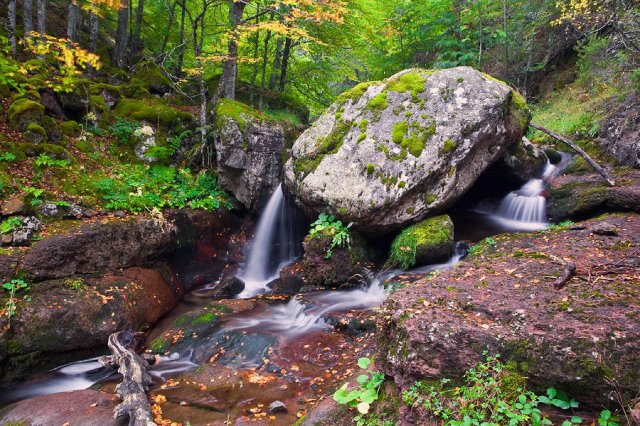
pixel 277 243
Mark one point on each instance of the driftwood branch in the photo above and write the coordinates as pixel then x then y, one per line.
pixel 568 271
pixel 135 379
pixel 577 149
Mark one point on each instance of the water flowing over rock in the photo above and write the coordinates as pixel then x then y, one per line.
pixel 387 154
pixel 248 152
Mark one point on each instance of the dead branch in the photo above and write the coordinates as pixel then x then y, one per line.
pixel 568 271
pixel 577 149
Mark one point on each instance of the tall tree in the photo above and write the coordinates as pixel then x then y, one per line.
pixel 42 17
pixel 94 30
pixel 122 35
pixel 27 17
pixel 183 6
pixel 227 85
pixel 286 54
pixel 11 27
pixel 73 19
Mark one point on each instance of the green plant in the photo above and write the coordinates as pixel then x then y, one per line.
pixel 75 283
pixel 33 194
pixel 10 224
pixel 364 395
pixel 12 287
pixel 43 160
pixel 562 225
pixel 123 130
pixel 327 226
pixel 7 157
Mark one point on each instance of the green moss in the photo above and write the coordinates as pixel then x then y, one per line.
pixel 229 109
pixel 363 125
pixel 430 199
pixel 204 318
pixel 84 146
pixel 158 345
pixel 519 110
pixel 370 168
pixel 137 89
pixel 151 111
pixel 154 79
pixel 428 233
pixel 357 91
pixel 448 146
pixel 330 144
pixel 101 88
pixel 412 82
pixel 378 103
pixel 38 129
pixel 402 184
pixel 362 137
pixel 399 130
pixel 24 111
pixel 98 103
pixel 70 128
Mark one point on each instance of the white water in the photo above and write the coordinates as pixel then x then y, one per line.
pixel 274 246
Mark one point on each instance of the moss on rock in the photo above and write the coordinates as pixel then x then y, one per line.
pixel 153 112
pixel 25 111
pixel 330 144
pixel 428 241
pixel 357 91
pixel 70 128
pixel 229 109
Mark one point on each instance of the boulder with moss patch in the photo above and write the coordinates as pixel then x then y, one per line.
pixel 524 160
pixel 152 111
pixel 35 133
pixel 24 112
pixel 249 148
pixel 418 126
pixel 428 241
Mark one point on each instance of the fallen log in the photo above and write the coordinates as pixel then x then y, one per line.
pixel 568 271
pixel 577 149
pixel 135 379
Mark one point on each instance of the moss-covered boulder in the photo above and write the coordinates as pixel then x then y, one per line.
pixel 249 149
pixel 35 133
pixel 109 93
pixel 428 241
pixel 524 160
pixel 389 153
pixel 152 111
pixel 70 129
pixel 153 78
pixel 23 112
pixel 54 151
pixel 77 102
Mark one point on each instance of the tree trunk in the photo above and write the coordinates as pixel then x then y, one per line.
pixel 227 85
pixel 72 20
pixel 265 56
pixel 27 17
pixel 11 26
pixel 42 17
pixel 136 42
pixel 256 52
pixel 167 33
pixel 122 35
pixel 276 64
pixel 94 31
pixel 183 5
pixel 286 54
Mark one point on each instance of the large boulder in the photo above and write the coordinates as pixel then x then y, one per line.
pixel 620 134
pixel 389 153
pixel 249 149
pixel 582 338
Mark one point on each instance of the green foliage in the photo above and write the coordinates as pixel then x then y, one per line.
pixel 565 224
pixel 328 226
pixel 13 287
pixel 7 226
pixel 10 75
pixel 32 195
pixel 123 130
pixel 486 398
pixel 43 161
pixel 74 283
pixel 7 157
pixel 164 154
pixel 635 80
pixel 138 188
pixel 364 395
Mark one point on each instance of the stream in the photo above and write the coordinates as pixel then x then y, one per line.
pixel 233 358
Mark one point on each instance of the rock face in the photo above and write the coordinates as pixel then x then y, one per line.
pixel 621 133
pixel 524 160
pixel 249 149
pixel 387 154
pixel 502 299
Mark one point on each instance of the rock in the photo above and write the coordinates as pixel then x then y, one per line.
pixel 291 279
pixel 99 248
pixel 524 160
pixel 575 339
pixel 119 214
pixel 620 133
pixel 228 288
pixel 12 207
pixel 88 213
pixel 73 211
pixel 635 415
pixel 8 261
pixel 23 112
pixel 583 196
pixel 76 103
pixel 60 320
pixel 22 235
pixel 426 242
pixel 35 134
pixel 48 209
pixel 604 228
pixel 277 407
pixel 147 140
pixel 81 408
pixel 388 154
pixel 249 150
pixel 110 94
pixel 51 104
pixel 7 239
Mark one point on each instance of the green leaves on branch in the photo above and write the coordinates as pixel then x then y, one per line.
pixel 328 226
pixel 13 287
pixel 364 395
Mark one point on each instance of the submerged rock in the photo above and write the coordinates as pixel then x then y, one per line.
pixel 389 153
pixel 249 149
pixel 583 339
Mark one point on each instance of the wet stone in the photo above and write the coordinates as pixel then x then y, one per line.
pixel 277 407
pixel 604 228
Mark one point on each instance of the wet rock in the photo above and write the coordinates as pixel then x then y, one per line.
pixel 249 150
pixel 277 407
pixel 575 339
pixel 229 287
pixel 390 153
pixel 22 236
pixel 100 247
pixel 12 207
pixel 291 279
pixel 580 197
pixel 81 408
pixel 604 228
pixel 620 133
pixel 524 160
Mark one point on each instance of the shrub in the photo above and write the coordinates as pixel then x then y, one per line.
pixel 364 395
pixel 13 287
pixel 328 226
pixel 123 130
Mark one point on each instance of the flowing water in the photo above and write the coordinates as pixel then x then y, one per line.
pixel 276 244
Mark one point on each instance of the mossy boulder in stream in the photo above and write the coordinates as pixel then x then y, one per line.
pixel 428 241
pixel 387 154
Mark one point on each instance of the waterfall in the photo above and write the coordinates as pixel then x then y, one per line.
pixel 277 243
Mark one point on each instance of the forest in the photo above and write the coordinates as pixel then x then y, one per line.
pixel 319 212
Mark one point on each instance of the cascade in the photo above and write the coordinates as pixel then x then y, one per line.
pixel 277 243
